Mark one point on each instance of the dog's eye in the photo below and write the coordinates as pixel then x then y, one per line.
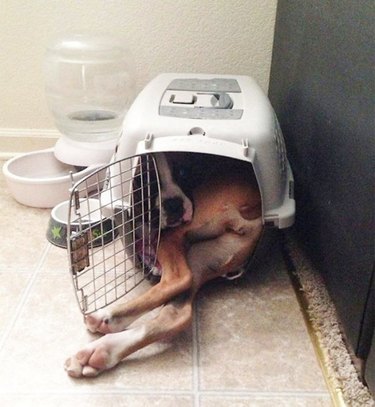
pixel 181 173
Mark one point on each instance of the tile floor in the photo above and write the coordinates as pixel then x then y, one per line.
pixel 248 345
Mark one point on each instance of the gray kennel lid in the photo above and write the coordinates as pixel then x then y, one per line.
pixel 204 121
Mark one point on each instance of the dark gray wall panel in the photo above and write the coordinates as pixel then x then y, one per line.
pixel 322 88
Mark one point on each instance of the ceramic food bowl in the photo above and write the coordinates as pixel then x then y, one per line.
pixel 100 228
pixel 39 180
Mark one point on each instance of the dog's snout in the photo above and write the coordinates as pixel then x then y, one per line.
pixel 174 206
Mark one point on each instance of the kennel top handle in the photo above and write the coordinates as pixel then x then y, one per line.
pixel 216 114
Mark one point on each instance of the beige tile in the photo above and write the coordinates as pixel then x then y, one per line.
pixel 252 336
pixel 22 234
pixel 95 400
pixel 56 260
pixel 257 401
pixel 50 329
pixel 11 288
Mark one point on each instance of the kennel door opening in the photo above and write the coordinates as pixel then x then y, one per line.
pixel 113 230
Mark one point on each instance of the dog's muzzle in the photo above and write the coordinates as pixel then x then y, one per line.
pixel 176 211
pixel 174 208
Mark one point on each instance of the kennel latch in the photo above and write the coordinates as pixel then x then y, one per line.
pixel 79 251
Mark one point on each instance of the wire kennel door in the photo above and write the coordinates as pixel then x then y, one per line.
pixel 113 230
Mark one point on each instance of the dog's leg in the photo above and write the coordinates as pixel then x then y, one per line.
pixel 176 279
pixel 229 219
pixel 111 349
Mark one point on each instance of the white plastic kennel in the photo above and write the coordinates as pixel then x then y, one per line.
pixel 216 114
pixel 223 115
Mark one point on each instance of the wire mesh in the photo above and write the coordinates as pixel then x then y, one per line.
pixel 113 230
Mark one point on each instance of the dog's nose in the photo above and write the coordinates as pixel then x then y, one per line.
pixel 174 206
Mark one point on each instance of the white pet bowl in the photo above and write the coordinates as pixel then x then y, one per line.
pixel 39 180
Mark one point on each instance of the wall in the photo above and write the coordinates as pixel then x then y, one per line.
pixel 213 36
pixel 322 88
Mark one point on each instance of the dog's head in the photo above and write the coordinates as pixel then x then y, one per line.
pixel 174 171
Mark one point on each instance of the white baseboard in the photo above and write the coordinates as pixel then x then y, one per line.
pixel 17 141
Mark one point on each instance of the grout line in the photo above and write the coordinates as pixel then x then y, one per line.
pixel 186 393
pixel 265 394
pixel 47 249
pixel 196 376
pixel 22 300
pixel 104 392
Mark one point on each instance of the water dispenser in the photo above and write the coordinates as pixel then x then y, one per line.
pixel 89 85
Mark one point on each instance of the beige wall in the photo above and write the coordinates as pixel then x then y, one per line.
pixel 213 36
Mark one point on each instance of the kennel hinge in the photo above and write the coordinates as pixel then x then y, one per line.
pixel 79 252
pixel 245 147
pixel 85 300
pixel 148 140
pixel 247 151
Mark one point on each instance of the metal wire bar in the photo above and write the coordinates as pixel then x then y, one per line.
pixel 113 230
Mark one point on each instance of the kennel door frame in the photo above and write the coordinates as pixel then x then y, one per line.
pixel 114 253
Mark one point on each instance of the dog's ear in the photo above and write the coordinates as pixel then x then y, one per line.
pixel 144 187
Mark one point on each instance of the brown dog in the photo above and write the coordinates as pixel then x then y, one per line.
pixel 223 233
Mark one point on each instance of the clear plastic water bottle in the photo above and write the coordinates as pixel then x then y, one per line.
pixel 90 85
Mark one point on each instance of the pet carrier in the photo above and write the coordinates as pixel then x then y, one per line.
pixel 224 115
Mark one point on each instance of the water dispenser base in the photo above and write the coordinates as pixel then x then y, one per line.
pixel 84 153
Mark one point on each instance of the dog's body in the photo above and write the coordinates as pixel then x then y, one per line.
pixel 218 240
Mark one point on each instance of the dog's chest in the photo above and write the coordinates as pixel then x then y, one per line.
pixel 218 195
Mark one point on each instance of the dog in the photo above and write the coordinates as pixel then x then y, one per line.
pixel 176 207
pixel 214 238
pixel 173 207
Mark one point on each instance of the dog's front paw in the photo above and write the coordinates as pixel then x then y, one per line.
pixel 106 321
pixel 99 321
